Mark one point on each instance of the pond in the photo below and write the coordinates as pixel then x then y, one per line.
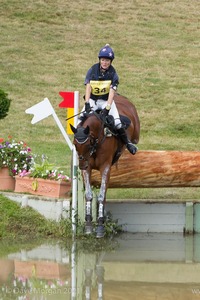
pixel 130 266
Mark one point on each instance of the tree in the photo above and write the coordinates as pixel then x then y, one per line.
pixel 4 104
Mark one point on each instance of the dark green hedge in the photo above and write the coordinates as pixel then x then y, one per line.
pixel 4 104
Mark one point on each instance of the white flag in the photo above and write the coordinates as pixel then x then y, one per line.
pixel 43 110
pixel 40 111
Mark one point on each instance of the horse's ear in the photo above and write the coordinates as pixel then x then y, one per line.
pixel 87 130
pixel 74 130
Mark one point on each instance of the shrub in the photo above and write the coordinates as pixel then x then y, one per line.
pixel 4 104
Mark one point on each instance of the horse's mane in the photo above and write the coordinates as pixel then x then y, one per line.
pixel 87 116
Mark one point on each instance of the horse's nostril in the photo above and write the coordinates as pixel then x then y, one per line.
pixel 83 167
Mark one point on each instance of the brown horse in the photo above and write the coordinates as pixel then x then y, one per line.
pixel 98 151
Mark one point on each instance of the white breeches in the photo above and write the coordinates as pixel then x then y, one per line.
pixel 101 104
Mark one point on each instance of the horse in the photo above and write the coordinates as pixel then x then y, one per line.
pixel 99 151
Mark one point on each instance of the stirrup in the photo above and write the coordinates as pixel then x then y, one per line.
pixel 131 148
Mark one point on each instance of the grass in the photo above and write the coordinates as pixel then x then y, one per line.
pixel 26 224
pixel 47 46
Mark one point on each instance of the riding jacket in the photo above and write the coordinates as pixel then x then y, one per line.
pixel 101 82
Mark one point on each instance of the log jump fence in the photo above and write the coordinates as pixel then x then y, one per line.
pixel 151 169
pixel 155 169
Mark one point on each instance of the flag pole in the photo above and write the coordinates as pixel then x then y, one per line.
pixel 62 130
pixel 74 201
pixel 75 168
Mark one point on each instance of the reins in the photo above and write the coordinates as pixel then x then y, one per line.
pixel 93 147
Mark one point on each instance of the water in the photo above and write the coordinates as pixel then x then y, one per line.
pixel 132 266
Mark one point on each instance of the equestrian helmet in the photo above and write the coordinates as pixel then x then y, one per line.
pixel 106 52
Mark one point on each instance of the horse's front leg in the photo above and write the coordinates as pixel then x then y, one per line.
pixel 105 176
pixel 88 201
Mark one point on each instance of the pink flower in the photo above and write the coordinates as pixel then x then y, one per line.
pixel 24 173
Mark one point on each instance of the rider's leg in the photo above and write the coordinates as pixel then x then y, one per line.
pixel 130 146
pixel 122 133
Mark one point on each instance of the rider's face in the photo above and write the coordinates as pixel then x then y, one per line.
pixel 105 63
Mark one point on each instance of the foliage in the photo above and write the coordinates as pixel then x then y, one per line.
pixel 16 156
pixel 20 160
pixel 111 228
pixel 44 170
pixel 25 222
pixel 4 104
pixel 18 221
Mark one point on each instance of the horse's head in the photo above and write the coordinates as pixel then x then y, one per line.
pixel 87 138
pixel 82 142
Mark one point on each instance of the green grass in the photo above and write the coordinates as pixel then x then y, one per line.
pixel 47 46
pixel 26 224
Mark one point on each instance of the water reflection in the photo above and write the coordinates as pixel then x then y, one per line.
pixel 133 266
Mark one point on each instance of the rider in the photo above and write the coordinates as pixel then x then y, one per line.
pixel 101 84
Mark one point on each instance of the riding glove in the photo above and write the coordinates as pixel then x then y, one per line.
pixel 104 112
pixel 87 107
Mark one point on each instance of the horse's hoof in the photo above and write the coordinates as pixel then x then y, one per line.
pixel 100 231
pixel 88 229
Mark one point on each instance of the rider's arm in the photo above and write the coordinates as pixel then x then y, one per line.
pixel 110 97
pixel 88 90
pixel 113 89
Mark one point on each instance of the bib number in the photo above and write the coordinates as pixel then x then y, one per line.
pixel 100 87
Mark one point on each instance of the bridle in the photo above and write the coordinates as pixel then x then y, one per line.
pixel 94 142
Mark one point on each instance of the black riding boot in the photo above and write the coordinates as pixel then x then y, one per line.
pixel 130 146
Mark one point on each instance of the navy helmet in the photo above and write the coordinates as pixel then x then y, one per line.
pixel 106 52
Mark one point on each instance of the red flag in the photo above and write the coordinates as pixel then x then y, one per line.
pixel 68 101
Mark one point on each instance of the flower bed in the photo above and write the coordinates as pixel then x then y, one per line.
pixel 15 155
pixel 30 176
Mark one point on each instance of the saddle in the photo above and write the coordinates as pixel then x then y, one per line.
pixel 109 121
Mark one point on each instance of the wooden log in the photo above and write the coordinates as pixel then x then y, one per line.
pixel 151 169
